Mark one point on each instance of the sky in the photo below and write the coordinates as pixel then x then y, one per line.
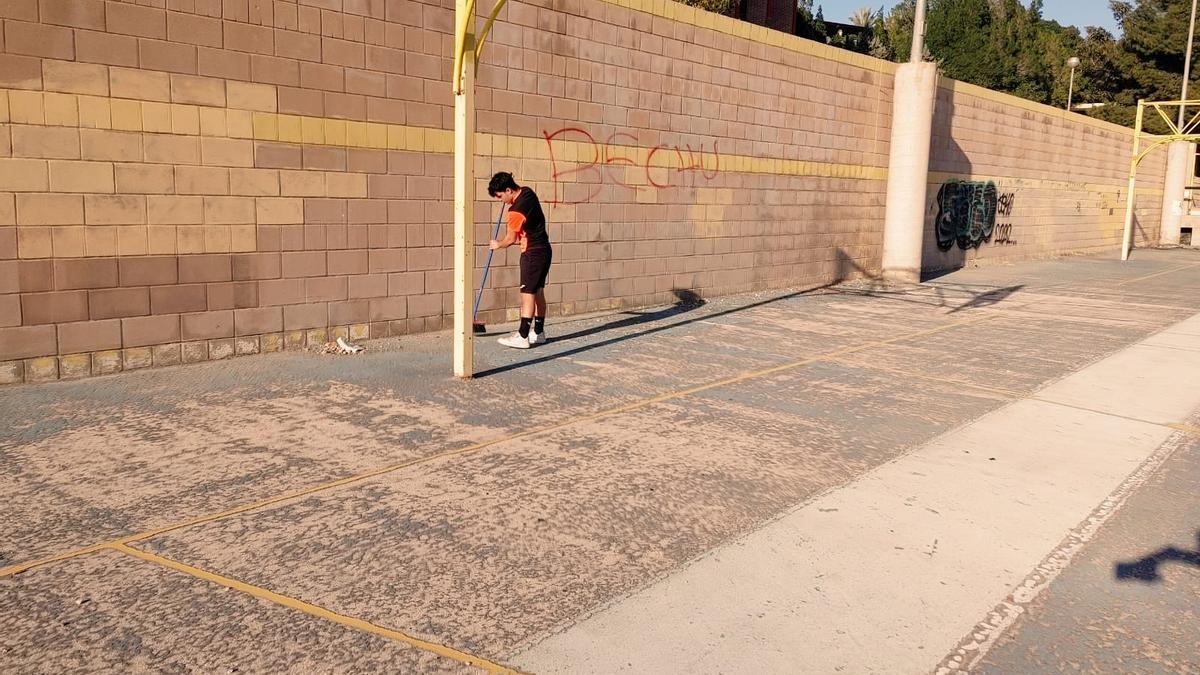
pixel 1079 13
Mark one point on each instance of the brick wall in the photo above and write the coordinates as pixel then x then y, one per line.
pixel 183 180
pixel 194 179
pixel 1060 180
pixel 674 155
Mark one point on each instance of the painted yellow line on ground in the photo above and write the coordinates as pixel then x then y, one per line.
pixel 1186 428
pixel 315 610
pixel 470 449
pixel 1158 274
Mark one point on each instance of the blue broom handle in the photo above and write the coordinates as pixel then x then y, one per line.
pixel 488 266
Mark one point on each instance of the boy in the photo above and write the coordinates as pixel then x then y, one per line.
pixel 527 227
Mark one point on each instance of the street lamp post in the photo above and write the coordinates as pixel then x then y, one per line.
pixel 917 53
pixel 1187 63
pixel 1073 63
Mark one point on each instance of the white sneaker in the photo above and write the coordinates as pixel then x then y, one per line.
pixel 537 338
pixel 515 341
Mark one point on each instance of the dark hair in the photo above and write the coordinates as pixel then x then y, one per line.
pixel 500 182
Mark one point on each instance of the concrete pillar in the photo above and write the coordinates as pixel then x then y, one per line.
pixel 908 170
pixel 464 201
pixel 1181 155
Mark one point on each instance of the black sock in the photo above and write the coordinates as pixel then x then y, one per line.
pixel 539 324
pixel 524 331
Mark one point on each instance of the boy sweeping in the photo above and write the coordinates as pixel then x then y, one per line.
pixel 527 227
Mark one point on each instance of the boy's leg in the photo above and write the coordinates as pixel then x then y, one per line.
pixel 521 340
pixel 539 315
pixel 528 306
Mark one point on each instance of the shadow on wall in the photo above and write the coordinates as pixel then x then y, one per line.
pixel 1147 569
pixel 944 208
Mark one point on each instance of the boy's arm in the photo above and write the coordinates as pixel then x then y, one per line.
pixel 516 226
pixel 509 239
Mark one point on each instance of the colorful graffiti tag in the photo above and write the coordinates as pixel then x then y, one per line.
pixel 610 160
pixel 967 212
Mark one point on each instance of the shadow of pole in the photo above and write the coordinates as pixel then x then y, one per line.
pixel 688 301
pixel 1147 568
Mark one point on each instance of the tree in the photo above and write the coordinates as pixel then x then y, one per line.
pixel 998 44
pixel 960 34
pixel 807 25
pixel 879 42
pixel 899 28
pixel 719 6
pixel 863 17
pixel 871 40
pixel 1007 46
pixel 1145 63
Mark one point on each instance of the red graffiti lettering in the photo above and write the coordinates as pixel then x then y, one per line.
pixel 556 175
pixel 649 160
pixel 716 163
pixel 590 175
pixel 610 159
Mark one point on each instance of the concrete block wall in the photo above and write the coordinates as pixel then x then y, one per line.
pixel 679 150
pixel 183 180
pixel 1059 181
pixel 194 179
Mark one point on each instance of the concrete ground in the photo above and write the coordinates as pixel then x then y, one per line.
pixel 994 471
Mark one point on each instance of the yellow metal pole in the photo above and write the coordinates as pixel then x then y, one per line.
pixel 487 27
pixel 464 195
pixel 1127 239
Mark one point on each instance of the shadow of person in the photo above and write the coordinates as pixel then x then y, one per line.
pixel 685 301
pixel 1147 569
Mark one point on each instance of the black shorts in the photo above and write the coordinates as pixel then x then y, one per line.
pixel 535 267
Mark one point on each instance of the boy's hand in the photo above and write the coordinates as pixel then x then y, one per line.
pixel 493 244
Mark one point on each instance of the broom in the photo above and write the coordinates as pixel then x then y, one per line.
pixel 476 325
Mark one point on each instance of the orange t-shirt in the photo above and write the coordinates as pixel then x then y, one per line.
pixel 527 222
pixel 516 225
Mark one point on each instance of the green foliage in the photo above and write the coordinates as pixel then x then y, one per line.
pixel 1007 46
pixel 807 24
pixel 718 6
pixel 1003 45
pixel 1147 62
pixel 899 28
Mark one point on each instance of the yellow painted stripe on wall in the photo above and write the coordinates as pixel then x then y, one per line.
pixel 84 111
pixel 939 177
pixel 35 107
pixel 666 158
